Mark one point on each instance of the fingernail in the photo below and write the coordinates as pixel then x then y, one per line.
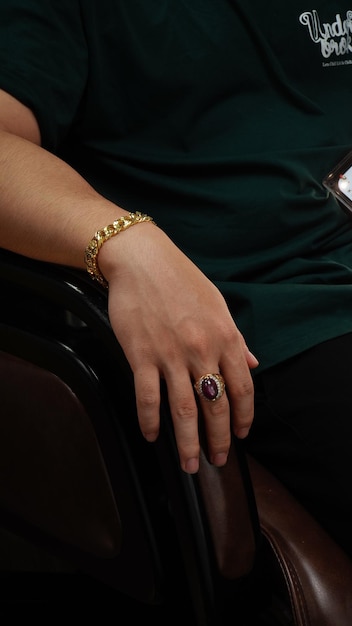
pixel 192 466
pixel 220 459
pixel 151 437
pixel 241 433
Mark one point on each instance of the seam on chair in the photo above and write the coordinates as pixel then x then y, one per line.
pixel 299 607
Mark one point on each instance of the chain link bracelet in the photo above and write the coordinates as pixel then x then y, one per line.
pixel 103 235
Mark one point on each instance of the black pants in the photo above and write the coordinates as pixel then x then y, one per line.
pixel 302 431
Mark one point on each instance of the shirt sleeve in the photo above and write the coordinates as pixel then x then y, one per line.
pixel 44 61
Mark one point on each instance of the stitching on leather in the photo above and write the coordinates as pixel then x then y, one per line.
pixel 298 603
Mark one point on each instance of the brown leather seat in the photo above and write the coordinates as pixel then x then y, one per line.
pixel 313 572
pixel 227 546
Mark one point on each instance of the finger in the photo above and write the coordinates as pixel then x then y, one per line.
pixel 240 393
pixel 251 359
pixel 184 412
pixel 216 414
pixel 147 389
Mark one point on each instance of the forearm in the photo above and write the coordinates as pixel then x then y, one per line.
pixel 47 210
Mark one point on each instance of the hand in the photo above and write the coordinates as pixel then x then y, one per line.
pixel 173 323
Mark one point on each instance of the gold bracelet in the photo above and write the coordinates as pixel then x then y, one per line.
pixel 101 236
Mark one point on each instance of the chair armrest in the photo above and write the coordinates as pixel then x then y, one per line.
pixel 316 572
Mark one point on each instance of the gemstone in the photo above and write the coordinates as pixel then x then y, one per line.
pixel 209 388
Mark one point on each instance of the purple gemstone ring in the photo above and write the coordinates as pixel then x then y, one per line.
pixel 210 386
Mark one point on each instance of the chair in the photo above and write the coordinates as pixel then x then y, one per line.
pixel 226 546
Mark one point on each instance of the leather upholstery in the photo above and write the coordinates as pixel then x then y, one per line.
pixel 56 487
pixel 312 571
pixel 53 473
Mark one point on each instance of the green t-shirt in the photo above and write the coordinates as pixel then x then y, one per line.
pixel 219 119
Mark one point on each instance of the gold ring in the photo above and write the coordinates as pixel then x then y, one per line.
pixel 210 386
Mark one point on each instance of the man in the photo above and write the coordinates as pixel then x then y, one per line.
pixel 217 122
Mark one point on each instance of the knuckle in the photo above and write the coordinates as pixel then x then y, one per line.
pixel 230 334
pixel 220 444
pixel 244 389
pixel 247 388
pixel 147 400
pixel 217 408
pixel 198 342
pixel 184 411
